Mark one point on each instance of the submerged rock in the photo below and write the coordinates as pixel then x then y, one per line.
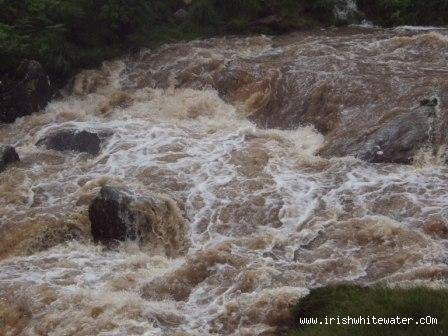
pixel 24 92
pixel 429 102
pixel 116 214
pixel 73 140
pixel 8 155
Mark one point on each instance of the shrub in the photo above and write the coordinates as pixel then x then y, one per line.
pixel 406 12
pixel 67 34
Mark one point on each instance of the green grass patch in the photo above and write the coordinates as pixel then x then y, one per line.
pixel 342 302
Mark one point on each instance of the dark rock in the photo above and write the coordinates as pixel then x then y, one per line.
pixel 24 92
pixel 8 155
pixel 111 216
pixel 432 102
pixel 270 255
pixel 297 254
pixel 181 14
pixel 396 139
pixel 73 140
pixel 118 215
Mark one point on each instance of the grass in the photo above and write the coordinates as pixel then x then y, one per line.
pixel 379 302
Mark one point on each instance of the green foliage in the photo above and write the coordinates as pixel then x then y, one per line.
pixel 67 34
pixel 343 301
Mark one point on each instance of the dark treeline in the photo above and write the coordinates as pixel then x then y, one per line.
pixel 406 12
pixel 65 35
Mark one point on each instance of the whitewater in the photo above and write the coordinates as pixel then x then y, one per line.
pixel 269 218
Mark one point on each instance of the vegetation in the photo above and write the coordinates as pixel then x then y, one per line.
pixel 65 35
pixel 343 301
pixel 406 12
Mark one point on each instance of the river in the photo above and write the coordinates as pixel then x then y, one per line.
pixel 249 135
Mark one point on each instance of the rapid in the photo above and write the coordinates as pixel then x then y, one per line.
pixel 273 207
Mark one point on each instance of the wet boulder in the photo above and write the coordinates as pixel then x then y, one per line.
pixel 432 102
pixel 73 140
pixel 8 155
pixel 181 14
pixel 25 91
pixel 396 138
pixel 118 214
pixel 399 140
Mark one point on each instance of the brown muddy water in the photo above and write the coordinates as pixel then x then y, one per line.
pixel 268 218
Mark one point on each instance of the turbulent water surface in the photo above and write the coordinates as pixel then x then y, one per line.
pixel 268 219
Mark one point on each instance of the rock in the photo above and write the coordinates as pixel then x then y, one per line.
pixel 24 92
pixel 429 102
pixel 297 254
pixel 73 140
pixel 181 14
pixel 116 214
pixel 270 255
pixel 8 155
pixel 396 139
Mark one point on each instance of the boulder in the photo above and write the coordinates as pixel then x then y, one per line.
pixel 117 214
pixel 395 139
pixel 181 14
pixel 433 101
pixel 73 140
pixel 24 92
pixel 8 155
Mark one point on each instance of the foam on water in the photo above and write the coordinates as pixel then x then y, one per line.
pixel 419 28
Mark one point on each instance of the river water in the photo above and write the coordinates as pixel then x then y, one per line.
pixel 268 218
